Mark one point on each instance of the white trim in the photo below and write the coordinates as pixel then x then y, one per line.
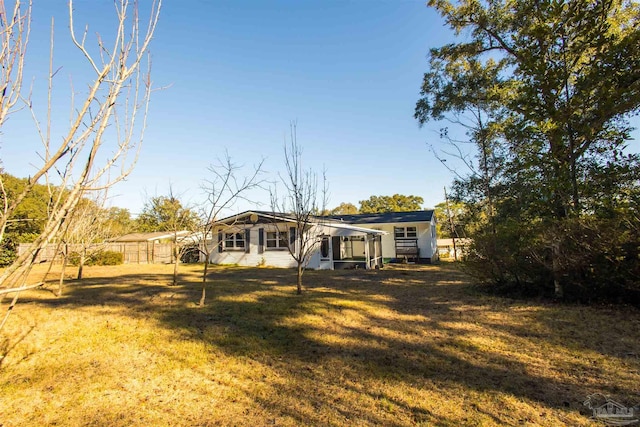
pixel 350 230
pixel 234 238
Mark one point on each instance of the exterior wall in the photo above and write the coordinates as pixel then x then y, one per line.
pixel 426 242
pixel 271 257
pixel 314 261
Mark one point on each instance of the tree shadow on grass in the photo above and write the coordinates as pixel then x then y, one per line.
pixel 350 333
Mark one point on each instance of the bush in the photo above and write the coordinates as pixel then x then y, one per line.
pixel 108 258
pixel 9 246
pixel 98 258
pixel 599 259
pixel 74 258
pixel 8 250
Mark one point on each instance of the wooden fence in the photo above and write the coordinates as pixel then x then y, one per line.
pixel 133 252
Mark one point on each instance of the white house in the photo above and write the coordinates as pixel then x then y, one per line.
pixel 262 238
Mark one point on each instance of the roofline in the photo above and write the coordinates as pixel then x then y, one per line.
pixel 354 228
pixel 169 234
pixel 259 213
pixel 313 219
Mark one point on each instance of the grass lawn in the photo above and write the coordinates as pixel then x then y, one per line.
pixel 408 345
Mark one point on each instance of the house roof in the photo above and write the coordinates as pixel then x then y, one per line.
pixel 385 217
pixel 148 237
pixel 254 217
pixel 371 218
pixel 344 229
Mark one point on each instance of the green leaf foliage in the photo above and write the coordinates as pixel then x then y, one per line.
pixel 165 213
pixel 27 221
pixel 545 90
pixel 344 209
pixel 395 203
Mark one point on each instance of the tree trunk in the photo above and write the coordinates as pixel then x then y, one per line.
pixel 81 264
pixel 176 253
pixel 204 282
pixel 558 289
pixel 299 279
pixel 65 255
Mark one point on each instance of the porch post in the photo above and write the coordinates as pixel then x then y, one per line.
pixel 366 251
pixel 375 251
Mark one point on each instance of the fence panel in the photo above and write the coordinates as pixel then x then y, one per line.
pixel 132 252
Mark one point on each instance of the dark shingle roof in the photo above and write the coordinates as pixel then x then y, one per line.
pixel 376 218
pixel 372 218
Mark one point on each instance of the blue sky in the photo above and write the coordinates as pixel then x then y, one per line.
pixel 238 72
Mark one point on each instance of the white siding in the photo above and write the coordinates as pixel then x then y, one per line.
pixel 426 242
pixel 270 257
pixel 282 258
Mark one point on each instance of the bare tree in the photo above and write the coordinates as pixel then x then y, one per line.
pixel 90 229
pixel 300 203
pixel 85 233
pixel 102 141
pixel 15 26
pixel 169 213
pixel 223 189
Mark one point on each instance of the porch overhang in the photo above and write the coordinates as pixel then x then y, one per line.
pixel 352 230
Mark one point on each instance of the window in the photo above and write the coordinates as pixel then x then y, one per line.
pixel 233 241
pixel 277 239
pixel 399 232
pixel 405 232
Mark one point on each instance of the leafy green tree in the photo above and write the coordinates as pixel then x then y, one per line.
pixel 119 221
pixel 395 203
pixel 550 86
pixel 165 213
pixel 344 209
pixel 456 214
pixel 27 220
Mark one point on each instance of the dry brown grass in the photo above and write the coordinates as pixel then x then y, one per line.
pixel 402 346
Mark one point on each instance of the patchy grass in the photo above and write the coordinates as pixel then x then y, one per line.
pixel 408 345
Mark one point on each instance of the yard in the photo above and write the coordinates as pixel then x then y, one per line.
pixel 408 345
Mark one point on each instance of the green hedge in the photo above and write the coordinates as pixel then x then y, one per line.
pixel 98 258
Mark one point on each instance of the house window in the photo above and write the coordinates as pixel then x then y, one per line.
pixel 277 239
pixel 233 241
pixel 405 232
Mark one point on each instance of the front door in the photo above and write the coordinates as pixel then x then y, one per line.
pixel 326 262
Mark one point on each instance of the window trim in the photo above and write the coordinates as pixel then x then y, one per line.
pixel 281 239
pixel 235 237
pixel 405 232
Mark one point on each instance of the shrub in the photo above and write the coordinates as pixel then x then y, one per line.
pixel 108 258
pixel 74 258
pixel 97 258
pixel 7 250
pixel 599 259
